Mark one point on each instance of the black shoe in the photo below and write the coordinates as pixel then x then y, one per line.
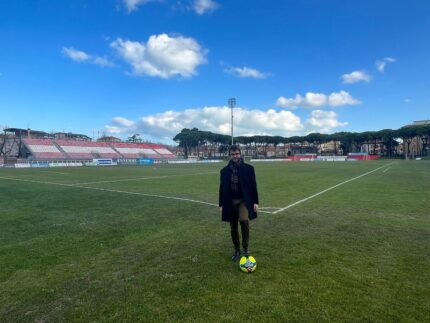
pixel 236 256
pixel 246 252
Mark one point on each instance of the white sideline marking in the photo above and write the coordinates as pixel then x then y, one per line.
pixel 328 189
pixel 115 191
pixel 141 178
pixel 386 169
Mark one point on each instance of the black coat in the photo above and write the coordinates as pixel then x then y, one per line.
pixel 248 185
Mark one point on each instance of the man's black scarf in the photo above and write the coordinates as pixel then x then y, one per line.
pixel 234 183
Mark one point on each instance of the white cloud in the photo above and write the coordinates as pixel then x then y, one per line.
pixel 381 64
pixel 76 55
pixel 200 7
pixel 102 61
pixel 246 72
pixel 165 125
pixel 204 6
pixel 80 56
pixel 123 122
pixel 323 121
pixel 310 100
pixel 133 4
pixel 162 55
pixel 341 98
pixel 113 130
pixel 315 100
pixel 356 76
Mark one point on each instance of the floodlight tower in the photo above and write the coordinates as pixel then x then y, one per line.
pixel 232 104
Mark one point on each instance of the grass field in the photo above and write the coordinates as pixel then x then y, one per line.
pixel 115 244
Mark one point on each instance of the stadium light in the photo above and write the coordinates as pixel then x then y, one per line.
pixel 232 104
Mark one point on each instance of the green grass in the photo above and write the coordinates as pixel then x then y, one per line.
pixel 359 252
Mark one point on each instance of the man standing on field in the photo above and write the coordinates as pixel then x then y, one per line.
pixel 238 199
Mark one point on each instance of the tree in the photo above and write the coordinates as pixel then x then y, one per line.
pixel 347 140
pixel 423 133
pixel 8 142
pixel 335 138
pixel 316 139
pixel 184 139
pixel 195 139
pixel 407 134
pixel 223 149
pixel 387 136
pixel 276 141
pixel 134 138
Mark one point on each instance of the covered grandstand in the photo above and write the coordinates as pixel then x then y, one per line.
pixel 43 149
pixel 25 147
pixel 87 149
pixel 59 149
pixel 138 150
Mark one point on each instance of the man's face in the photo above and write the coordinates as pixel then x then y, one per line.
pixel 235 155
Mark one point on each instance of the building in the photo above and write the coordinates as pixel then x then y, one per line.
pixel 330 148
pixel 26 133
pixel 71 136
pixel 419 145
pixel 421 123
pixel 109 139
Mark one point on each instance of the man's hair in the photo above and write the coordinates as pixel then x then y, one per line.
pixel 233 148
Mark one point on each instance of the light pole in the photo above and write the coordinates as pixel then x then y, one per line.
pixel 231 104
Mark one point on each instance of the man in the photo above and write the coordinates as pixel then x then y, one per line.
pixel 238 199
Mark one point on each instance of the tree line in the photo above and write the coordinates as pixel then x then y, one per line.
pixel 205 141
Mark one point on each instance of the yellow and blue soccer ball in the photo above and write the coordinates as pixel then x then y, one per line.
pixel 248 264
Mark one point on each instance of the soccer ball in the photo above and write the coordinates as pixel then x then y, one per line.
pixel 248 264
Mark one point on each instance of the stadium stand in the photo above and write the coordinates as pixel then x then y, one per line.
pixel 64 149
pixel 165 153
pixel 43 149
pixel 136 150
pixel 86 149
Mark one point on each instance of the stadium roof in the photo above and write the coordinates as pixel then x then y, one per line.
pixel 70 135
pixel 19 131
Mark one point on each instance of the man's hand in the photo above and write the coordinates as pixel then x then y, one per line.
pixel 255 207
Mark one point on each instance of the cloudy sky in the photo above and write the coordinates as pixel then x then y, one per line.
pixel 153 67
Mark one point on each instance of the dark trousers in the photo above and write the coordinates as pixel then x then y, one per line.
pixel 241 209
pixel 244 228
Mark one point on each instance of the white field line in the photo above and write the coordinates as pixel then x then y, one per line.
pixel 45 171
pixel 108 190
pixel 328 189
pixel 116 191
pixel 141 178
pixel 386 169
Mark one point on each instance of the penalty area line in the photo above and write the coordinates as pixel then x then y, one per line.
pixel 328 189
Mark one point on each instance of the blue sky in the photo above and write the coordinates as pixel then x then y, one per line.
pixel 154 67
